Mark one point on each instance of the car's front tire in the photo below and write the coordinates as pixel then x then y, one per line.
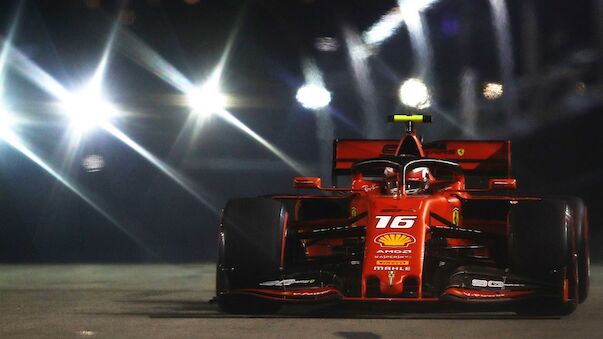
pixel 579 216
pixel 250 247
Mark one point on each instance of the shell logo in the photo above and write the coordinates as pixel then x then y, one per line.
pixel 395 240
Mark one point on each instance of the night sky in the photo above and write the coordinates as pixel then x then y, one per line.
pixel 557 71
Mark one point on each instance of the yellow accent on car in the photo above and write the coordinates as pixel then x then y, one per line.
pixel 411 118
pixel 395 240
pixel 455 216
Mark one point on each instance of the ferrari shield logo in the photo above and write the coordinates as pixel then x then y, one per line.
pixel 455 216
pixel 460 151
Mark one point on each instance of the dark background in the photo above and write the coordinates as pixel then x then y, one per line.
pixel 554 126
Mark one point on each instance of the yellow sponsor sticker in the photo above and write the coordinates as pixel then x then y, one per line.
pixel 395 239
pixel 455 216
pixel 393 262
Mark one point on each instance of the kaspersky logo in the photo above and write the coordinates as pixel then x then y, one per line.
pixel 395 239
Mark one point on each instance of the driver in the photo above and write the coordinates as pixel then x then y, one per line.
pixel 417 180
pixel 390 180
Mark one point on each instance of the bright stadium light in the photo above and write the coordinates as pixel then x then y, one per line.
pixel 493 90
pixel 88 109
pixel 313 96
pixel 414 93
pixel 391 22
pixel 384 28
pixel 206 99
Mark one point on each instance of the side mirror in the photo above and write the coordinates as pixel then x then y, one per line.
pixel 502 184
pixel 306 182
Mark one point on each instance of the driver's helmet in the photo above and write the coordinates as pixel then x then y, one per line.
pixel 417 180
pixel 390 183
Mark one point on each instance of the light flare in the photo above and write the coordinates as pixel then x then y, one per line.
pixel 29 70
pixel 146 57
pixel 206 99
pixel 391 22
pixel 14 141
pixel 162 166
pixel 87 109
pixel 313 96
pixel 298 168
pixel 493 90
pixel 358 53
pixel 414 93
pixel 387 26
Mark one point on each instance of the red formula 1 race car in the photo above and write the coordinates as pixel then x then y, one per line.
pixel 432 222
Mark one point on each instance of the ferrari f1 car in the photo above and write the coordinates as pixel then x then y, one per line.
pixel 418 222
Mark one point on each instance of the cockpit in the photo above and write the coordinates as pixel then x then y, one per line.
pixel 406 175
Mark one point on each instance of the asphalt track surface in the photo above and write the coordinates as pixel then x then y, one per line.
pixel 161 301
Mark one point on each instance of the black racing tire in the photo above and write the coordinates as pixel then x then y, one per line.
pixel 250 245
pixel 578 210
pixel 541 241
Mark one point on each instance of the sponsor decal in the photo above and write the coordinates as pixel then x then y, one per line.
pixel 483 295
pixel 393 262
pixel 460 152
pixel 401 221
pixel 286 282
pixel 353 212
pixel 455 216
pixel 393 254
pixel 368 188
pixel 492 283
pixel 394 251
pixel 390 277
pixel 391 268
pixel 311 293
pixel 395 239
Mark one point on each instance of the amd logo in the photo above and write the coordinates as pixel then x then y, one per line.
pixel 394 251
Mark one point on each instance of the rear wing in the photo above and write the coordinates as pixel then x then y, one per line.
pixel 476 157
pixel 347 151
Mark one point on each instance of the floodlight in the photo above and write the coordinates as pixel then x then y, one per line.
pixel 414 93
pixel 87 109
pixel 206 99
pixel 493 90
pixel 313 96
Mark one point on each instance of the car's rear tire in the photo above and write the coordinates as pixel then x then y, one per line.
pixel 541 241
pixel 250 246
